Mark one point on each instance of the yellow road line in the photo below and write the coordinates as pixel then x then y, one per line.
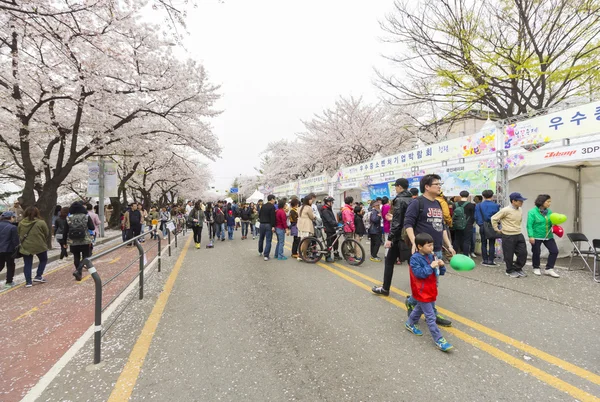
pixel 493 351
pixel 33 310
pixel 129 376
pixel 26 314
pixel 578 371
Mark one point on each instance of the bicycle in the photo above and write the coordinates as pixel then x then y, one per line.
pixel 352 251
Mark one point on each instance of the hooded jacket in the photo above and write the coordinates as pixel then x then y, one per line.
pixel 400 204
pixel 37 239
pixel 348 219
pixel 9 237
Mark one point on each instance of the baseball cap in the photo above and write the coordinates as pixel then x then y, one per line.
pixel 7 214
pixel 516 197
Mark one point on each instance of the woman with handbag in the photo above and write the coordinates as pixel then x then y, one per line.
pixel 61 231
pixel 9 242
pixel 33 235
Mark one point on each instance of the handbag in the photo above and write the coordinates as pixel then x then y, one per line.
pixel 17 253
pixel 489 232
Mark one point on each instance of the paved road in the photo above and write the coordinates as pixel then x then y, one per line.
pixel 39 324
pixel 238 328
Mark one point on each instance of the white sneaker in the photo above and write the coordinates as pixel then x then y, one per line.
pixel 473 255
pixel 537 271
pixel 552 273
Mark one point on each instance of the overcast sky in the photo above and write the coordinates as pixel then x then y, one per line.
pixel 279 62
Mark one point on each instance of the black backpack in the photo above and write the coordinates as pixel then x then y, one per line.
pixel 78 226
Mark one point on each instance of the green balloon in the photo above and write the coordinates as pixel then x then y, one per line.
pixel 461 262
pixel 558 219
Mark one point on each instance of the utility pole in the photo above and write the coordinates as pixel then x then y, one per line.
pixel 101 195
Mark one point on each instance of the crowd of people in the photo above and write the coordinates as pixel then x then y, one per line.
pixel 421 229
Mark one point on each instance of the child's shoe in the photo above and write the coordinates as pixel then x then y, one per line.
pixel 414 329
pixel 443 345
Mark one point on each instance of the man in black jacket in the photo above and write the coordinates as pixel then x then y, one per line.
pixel 266 217
pixel 330 225
pixel 395 244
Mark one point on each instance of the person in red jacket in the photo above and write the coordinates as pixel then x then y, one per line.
pixel 280 228
pixel 348 217
pixel 424 272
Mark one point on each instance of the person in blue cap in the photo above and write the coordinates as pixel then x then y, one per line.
pixel 507 221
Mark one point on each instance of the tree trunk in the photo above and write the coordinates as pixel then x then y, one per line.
pixel 46 204
pixel 115 218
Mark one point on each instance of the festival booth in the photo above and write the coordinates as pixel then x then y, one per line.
pixel 256 195
pixel 559 154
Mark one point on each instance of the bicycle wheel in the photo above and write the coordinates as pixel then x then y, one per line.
pixel 312 250
pixel 353 252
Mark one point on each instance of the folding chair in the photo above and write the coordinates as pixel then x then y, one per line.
pixel 576 239
pixel 596 244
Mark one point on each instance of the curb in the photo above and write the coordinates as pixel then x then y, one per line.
pixel 55 257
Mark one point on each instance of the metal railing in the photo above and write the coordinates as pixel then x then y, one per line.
pixel 88 263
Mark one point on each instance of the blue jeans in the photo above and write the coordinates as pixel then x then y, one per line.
pixel 230 232
pixel 488 247
pixel 265 232
pixel 28 265
pixel 429 310
pixel 245 226
pixel 412 301
pixel 220 230
pixel 280 242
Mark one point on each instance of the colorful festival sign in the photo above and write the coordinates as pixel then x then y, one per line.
pixel 394 166
pixel 286 189
pixel 317 185
pixel 568 123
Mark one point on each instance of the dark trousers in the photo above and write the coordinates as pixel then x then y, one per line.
pixel 330 238
pixel 197 233
pixel 63 249
pixel 511 245
pixel 28 265
pixel 211 230
pixel 134 231
pixel 265 234
pixel 391 257
pixel 9 261
pixel 80 252
pixel 462 240
pixel 488 247
pixel 245 226
pixel 375 244
pixel 295 245
pixel 536 250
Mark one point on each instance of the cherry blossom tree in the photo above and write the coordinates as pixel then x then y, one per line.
pixel 81 80
pixel 351 132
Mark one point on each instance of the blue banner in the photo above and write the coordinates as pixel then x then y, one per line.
pixel 379 190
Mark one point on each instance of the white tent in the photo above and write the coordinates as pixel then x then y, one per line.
pixel 256 195
pixel 569 174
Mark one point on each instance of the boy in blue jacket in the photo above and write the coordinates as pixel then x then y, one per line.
pixel 424 272
pixel 230 224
